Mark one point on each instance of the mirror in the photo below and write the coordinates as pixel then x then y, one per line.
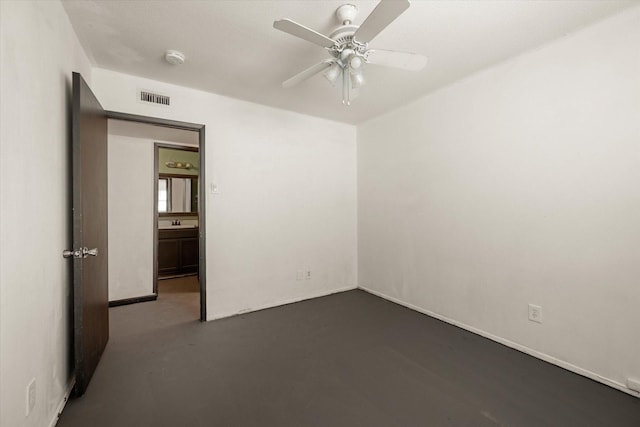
pixel 177 194
pixel 176 168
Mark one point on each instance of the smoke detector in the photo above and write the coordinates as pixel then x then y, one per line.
pixel 174 57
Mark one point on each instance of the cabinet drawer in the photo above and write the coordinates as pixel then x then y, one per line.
pixel 178 233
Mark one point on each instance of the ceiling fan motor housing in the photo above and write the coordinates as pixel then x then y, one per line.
pixel 343 36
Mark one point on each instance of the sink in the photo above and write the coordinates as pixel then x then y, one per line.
pixel 176 227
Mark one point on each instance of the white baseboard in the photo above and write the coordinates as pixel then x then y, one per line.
pixel 543 356
pixel 282 302
pixel 63 403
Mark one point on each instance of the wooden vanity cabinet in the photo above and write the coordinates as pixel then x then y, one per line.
pixel 178 251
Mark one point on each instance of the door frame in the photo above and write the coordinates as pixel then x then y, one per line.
pixel 200 128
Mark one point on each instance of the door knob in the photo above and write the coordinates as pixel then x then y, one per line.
pixel 80 253
pixel 86 252
pixel 70 253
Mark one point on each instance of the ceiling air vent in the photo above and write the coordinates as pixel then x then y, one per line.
pixel 154 98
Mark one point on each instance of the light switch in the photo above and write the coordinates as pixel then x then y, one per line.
pixel 214 189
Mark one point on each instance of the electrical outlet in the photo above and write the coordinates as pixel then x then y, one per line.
pixel 308 275
pixel 300 275
pixel 31 396
pixel 535 313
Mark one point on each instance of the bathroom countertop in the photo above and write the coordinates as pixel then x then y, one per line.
pixel 176 227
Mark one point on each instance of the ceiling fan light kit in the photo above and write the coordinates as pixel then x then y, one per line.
pixel 333 73
pixel 348 46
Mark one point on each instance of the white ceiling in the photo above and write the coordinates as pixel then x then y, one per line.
pixel 232 48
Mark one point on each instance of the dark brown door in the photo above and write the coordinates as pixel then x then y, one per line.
pixel 90 273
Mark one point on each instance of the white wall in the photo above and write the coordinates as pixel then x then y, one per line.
pixel 518 185
pixel 131 201
pixel 38 52
pixel 287 199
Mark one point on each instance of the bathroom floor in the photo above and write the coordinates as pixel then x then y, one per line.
pixel 181 294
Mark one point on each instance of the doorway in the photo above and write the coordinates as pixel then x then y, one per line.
pixel 143 238
pixel 176 200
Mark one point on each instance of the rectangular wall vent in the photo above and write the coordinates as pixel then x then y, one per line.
pixel 154 98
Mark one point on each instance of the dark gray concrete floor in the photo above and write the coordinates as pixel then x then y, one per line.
pixel 350 359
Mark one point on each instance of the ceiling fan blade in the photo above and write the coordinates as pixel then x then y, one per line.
pixel 299 30
pixel 384 14
pixel 309 72
pixel 391 58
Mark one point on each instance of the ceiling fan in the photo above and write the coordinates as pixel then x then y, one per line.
pixel 348 46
